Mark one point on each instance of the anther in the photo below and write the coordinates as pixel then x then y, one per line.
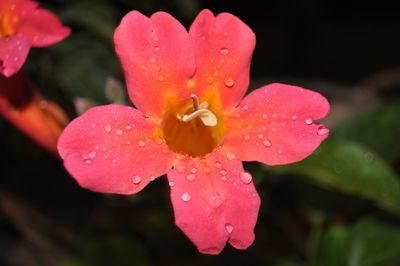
pixel 195 100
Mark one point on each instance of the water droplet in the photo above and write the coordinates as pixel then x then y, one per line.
pixel 294 117
pixel 225 33
pixel 224 51
pixel 181 168
pixel 92 154
pixel 141 143
pixel 87 161
pixel 267 143
pixel 152 178
pixel 274 115
pixel 152 60
pixel 309 121
pixel 264 116
pixel 190 177
pixel 246 177
pixel 217 165
pixel 136 179
pixel 128 127
pixel 155 39
pixel 260 136
pixel 158 140
pixel 209 80
pixel 157 48
pixel 161 78
pixel 229 82
pixel 322 130
pixel 247 137
pixel 119 132
pixel 107 128
pixel 171 183
pixel 279 151
pixel 230 155
pixel 193 170
pixel 223 172
pixel 245 107
pixel 229 228
pixel 186 197
pixel 283 124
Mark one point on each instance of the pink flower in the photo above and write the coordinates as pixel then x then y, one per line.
pixel 192 124
pixel 22 25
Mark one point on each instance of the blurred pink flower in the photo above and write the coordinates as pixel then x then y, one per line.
pixel 23 106
pixel 23 25
pixel 192 124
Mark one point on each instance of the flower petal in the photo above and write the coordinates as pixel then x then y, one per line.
pixel 214 201
pixel 13 53
pixel 113 149
pixel 223 47
pixel 274 125
pixel 42 28
pixel 157 58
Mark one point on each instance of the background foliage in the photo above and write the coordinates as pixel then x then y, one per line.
pixel 341 206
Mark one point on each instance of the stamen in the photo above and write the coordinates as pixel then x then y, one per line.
pixel 201 111
pixel 195 100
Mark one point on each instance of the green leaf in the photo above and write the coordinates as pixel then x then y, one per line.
pixel 366 243
pixel 379 128
pixel 350 168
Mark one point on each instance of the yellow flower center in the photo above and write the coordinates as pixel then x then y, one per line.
pixel 8 23
pixel 194 127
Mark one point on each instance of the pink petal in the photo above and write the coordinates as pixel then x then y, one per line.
pixel 157 59
pixel 223 47
pixel 113 149
pixel 274 125
pixel 42 28
pixel 13 53
pixel 17 5
pixel 214 201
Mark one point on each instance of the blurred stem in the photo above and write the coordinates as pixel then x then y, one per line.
pixel 317 219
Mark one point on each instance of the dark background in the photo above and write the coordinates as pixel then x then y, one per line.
pixel 314 213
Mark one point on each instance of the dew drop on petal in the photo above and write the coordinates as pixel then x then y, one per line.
pixel 92 154
pixel 279 151
pixel 190 177
pixel 119 132
pixel 181 168
pixel 309 121
pixel 247 137
pixel 87 161
pixel 265 116
pixel 245 107
pixel 152 60
pixel 157 48
pixel 223 172
pixel 128 127
pixel 171 183
pixel 322 130
pixel 107 128
pixel 224 51
pixel 161 78
pixel 246 177
pixel 230 155
pixel 267 143
pixel 260 136
pixel 217 165
pixel 229 82
pixel 186 197
pixel 193 170
pixel 209 80
pixel 136 179
pixel 229 228
pixel 141 143
pixel 294 117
